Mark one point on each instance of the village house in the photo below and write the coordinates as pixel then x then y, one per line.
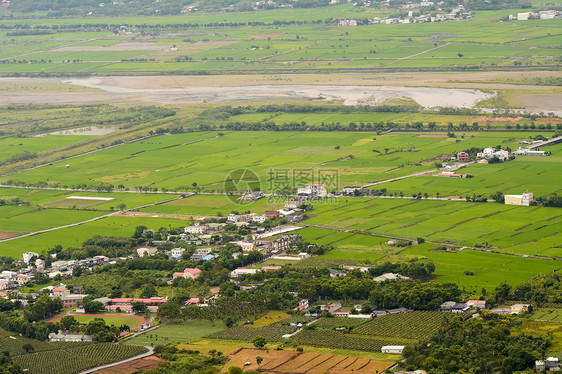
pixel 188 273
pixel 141 252
pixel 389 277
pixel 463 156
pixel 259 218
pixel 519 308
pixel 200 254
pixel 22 279
pixel 550 364
pixel 528 152
pixel 177 252
pixel 78 290
pixel 454 307
pixel 303 304
pixel 246 246
pixel 70 337
pixel 336 273
pixel 312 192
pixel 242 271
pixel 525 199
pixel 27 256
pixel 451 174
pixel 196 229
pixel 59 265
pixel 480 304
pixel 486 153
pixel 69 301
pixel 292 204
pixel 60 291
pixel 395 349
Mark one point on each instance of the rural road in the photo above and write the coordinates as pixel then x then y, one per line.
pixel 93 370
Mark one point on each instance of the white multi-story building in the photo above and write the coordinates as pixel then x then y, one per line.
pixel 524 199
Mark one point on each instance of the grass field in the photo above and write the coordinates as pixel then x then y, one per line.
pixel 10 147
pixel 75 236
pixel 187 332
pixel 548 315
pixel 270 318
pixel 504 227
pixel 534 173
pixel 295 46
pixel 175 162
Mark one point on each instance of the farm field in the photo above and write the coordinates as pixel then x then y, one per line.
pixel 363 248
pixel 63 200
pixel 305 362
pixel 76 359
pixel 339 340
pixel 206 158
pixel 75 236
pixel 15 344
pixel 504 227
pixel 271 333
pixel 533 173
pixel 187 332
pixel 15 218
pixel 142 364
pixel 10 147
pixel 212 205
pixel 303 46
pixel 489 269
pixel 412 325
pixel 548 315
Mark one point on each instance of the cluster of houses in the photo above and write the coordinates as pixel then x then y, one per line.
pixel 471 305
pixel 550 364
pixel 457 14
pixel 490 152
pixel 11 280
pixel 544 14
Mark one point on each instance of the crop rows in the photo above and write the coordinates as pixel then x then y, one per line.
pixel 73 360
pixel 338 340
pixel 413 325
pixel 271 333
pixel 333 323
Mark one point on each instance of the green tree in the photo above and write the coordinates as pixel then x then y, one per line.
pixel 139 307
pixel 259 360
pixel 259 341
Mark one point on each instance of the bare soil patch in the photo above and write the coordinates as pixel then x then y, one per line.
pixel 9 234
pixel 134 366
pixel 486 120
